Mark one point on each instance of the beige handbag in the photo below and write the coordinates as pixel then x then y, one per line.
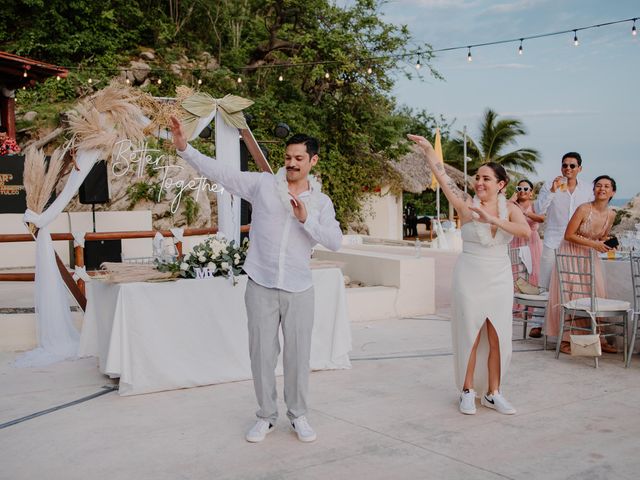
pixel 525 287
pixel 586 345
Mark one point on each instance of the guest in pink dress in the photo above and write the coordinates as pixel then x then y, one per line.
pixel 588 228
pixel 523 198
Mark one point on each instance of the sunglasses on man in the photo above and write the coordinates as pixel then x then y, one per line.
pixel 522 189
pixel 570 165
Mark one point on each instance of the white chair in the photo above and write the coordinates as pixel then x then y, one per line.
pixel 635 282
pixel 578 300
pixel 522 302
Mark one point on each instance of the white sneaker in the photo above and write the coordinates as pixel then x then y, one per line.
pixel 498 403
pixel 303 429
pixel 468 402
pixel 259 431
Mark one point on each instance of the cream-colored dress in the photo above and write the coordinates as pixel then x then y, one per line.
pixel 482 290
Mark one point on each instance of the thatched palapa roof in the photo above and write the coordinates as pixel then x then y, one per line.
pixel 416 174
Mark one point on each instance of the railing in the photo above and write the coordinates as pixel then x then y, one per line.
pixel 77 287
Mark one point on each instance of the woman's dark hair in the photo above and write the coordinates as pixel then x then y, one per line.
pixel 499 172
pixel 605 177
pixel 525 180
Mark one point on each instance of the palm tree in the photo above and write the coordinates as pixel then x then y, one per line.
pixel 495 135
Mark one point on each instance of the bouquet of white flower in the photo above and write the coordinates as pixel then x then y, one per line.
pixel 216 253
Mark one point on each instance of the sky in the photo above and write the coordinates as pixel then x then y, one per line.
pixel 584 98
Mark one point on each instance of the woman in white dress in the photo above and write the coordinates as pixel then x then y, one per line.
pixel 482 290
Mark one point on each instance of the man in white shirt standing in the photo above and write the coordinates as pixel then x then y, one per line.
pixel 558 200
pixel 290 216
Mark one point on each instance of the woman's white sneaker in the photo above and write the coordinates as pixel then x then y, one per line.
pixel 303 429
pixel 498 403
pixel 259 431
pixel 468 402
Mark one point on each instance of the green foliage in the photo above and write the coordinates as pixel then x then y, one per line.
pixel 191 209
pixel 152 192
pixel 351 112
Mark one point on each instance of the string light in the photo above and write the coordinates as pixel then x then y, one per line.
pixel 159 81
pixel 25 73
pixel 58 78
pixel 90 80
pixel 418 64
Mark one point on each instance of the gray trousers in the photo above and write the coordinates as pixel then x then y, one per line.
pixel 267 309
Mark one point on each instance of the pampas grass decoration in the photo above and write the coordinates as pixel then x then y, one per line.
pixel 40 180
pixel 133 272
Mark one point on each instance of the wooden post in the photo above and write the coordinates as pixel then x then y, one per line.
pixel 79 261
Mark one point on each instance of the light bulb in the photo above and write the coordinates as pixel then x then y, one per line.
pixel 575 38
pixel 199 81
pixel 634 32
pixel 58 77
pixel 418 65
pixel 128 81
pixel 326 75
pixel 469 57
pixel 369 70
pixel 159 81
pixel 24 74
pixel 239 80
pixel 90 81
pixel 520 51
pixel 280 78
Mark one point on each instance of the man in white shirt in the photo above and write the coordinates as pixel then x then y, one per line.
pixel 558 200
pixel 290 216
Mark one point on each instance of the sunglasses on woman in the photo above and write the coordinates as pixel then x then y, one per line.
pixel 522 189
pixel 570 165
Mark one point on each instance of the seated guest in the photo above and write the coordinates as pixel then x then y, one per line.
pixel 588 229
pixel 8 146
pixel 523 198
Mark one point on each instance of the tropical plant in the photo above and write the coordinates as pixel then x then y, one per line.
pixel 496 135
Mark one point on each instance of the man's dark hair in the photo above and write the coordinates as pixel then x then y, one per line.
pixel 575 155
pixel 309 142
pixel 3 129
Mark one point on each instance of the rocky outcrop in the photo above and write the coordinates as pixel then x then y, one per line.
pixel 629 216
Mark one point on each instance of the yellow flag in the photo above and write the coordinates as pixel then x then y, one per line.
pixel 438 148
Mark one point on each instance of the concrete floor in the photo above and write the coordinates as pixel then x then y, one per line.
pixel 393 416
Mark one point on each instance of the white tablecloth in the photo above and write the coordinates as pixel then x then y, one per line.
pixel 618 278
pixel 163 336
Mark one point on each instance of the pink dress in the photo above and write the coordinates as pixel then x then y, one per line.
pixel 552 319
pixel 535 245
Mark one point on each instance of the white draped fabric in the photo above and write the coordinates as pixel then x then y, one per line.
pixel 164 336
pixel 228 152
pixel 57 336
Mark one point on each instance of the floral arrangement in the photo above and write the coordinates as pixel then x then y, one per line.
pixel 222 257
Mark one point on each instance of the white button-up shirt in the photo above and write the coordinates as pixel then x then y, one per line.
pixel 558 208
pixel 280 247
